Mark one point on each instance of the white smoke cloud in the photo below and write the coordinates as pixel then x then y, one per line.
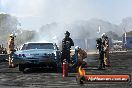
pixel 35 13
pixel 48 11
pixel 22 8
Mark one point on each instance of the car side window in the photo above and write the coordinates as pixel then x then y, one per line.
pixel 25 47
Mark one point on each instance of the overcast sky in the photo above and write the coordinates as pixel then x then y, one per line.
pixel 33 13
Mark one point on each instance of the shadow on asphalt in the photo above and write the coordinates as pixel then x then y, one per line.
pixel 39 70
pixel 95 69
pixel 49 70
pixel 9 72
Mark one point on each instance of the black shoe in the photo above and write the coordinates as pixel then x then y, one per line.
pixel 100 68
pixel 108 65
pixel 14 65
pixel 10 66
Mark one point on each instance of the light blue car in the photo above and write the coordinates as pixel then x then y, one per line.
pixel 34 54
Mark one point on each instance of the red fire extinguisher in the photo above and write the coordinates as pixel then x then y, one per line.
pixel 64 69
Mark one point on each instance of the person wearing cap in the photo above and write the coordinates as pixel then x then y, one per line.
pixel 67 42
pixel 11 49
pixel 106 50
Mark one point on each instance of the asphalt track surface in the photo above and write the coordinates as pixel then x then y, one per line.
pixel 121 63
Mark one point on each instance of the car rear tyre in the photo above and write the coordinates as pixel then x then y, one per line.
pixel 21 68
pixel 54 67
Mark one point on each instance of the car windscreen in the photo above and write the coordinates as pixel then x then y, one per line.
pixel 38 46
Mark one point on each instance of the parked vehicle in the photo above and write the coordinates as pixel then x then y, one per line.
pixel 37 55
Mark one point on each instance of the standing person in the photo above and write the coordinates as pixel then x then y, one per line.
pixel 100 47
pixel 106 50
pixel 0 49
pixel 11 49
pixel 67 42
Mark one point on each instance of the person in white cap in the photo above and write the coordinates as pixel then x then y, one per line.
pixel 81 56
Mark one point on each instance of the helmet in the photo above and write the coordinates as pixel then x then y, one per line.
pixel 67 33
pixel 77 47
pixel 104 35
pixel 12 35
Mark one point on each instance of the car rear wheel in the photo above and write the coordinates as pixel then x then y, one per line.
pixel 21 67
pixel 54 67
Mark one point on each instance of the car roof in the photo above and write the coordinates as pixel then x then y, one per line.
pixel 38 42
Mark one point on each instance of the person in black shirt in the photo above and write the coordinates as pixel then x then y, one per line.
pixel 67 42
pixel 100 47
